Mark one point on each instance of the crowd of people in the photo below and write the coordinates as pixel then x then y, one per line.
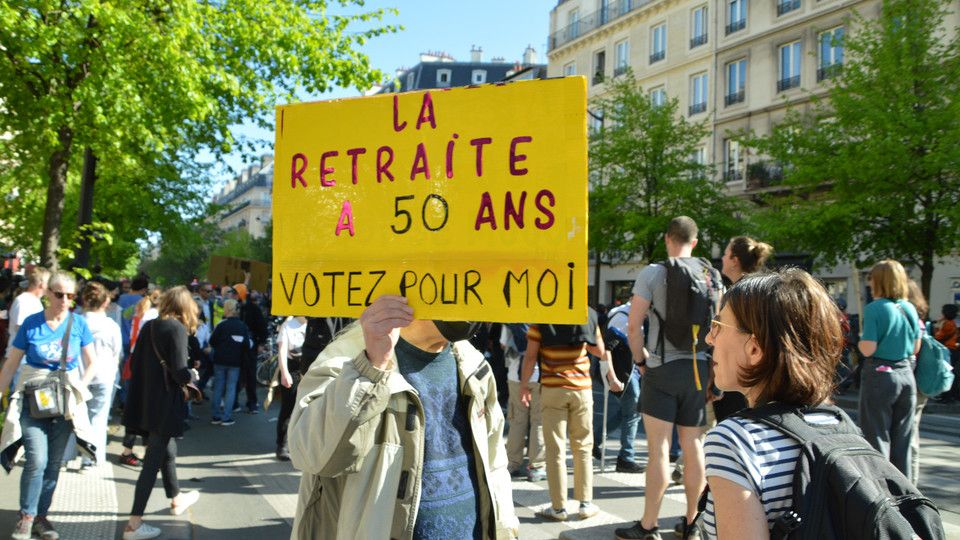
pixel 419 425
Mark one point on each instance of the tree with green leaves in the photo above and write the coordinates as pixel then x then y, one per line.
pixel 873 168
pixel 147 86
pixel 643 174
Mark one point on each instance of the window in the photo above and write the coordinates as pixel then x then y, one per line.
pixel 786 6
pixel 594 123
pixel 698 27
pixel 736 82
pixel 599 66
pixel 570 69
pixel 479 76
pixel 658 43
pixel 625 7
pixel 736 16
pixel 409 81
pixel 698 93
pixel 733 161
pixel 604 11
pixel 699 155
pixel 831 53
pixel 573 23
pixel 789 66
pixel 443 77
pixel 623 58
pixel 658 96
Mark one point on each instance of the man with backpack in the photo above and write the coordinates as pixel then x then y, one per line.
pixel 681 295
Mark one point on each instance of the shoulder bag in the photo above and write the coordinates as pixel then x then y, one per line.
pixel 189 390
pixel 48 397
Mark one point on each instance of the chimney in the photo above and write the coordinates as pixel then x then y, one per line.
pixel 476 54
pixel 529 56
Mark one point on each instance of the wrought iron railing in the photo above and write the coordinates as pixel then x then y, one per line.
pixel 657 56
pixel 786 6
pixel 606 14
pixel 829 71
pixel 697 108
pixel 734 98
pixel 736 26
pixel 697 41
pixel 788 83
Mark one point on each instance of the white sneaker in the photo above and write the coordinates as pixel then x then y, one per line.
pixel 186 500
pixel 551 514
pixel 588 510
pixel 142 532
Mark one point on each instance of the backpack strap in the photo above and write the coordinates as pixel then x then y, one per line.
pixel 789 420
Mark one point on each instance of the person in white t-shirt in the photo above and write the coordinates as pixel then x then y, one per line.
pixel 289 354
pixel 28 302
pixel 108 349
pixel 525 427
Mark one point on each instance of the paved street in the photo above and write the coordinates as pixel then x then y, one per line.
pixel 246 493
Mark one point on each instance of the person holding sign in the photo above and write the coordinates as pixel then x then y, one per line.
pixel 399 434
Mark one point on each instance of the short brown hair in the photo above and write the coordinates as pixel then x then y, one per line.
pixel 889 280
pixel 915 297
pixel 177 303
pixel 751 253
pixel 39 276
pixel 94 296
pixel 797 325
pixel 682 229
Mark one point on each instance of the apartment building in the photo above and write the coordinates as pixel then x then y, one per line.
pixel 247 199
pixel 738 64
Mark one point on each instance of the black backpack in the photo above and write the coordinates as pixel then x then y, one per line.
pixel 693 292
pixel 843 488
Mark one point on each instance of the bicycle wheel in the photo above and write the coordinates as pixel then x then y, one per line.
pixel 265 371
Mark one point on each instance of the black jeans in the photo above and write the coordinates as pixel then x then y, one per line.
pixel 161 457
pixel 288 398
pixel 248 380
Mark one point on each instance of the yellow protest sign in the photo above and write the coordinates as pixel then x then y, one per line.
pixel 471 202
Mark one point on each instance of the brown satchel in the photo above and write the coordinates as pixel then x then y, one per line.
pixel 190 390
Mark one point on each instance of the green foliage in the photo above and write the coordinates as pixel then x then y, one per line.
pixel 642 174
pixel 873 168
pixel 147 86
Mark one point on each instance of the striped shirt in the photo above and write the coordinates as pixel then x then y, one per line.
pixel 756 457
pixel 563 366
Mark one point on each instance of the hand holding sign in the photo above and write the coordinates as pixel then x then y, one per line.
pixel 381 324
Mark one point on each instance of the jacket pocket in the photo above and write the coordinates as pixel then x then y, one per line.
pixel 371 492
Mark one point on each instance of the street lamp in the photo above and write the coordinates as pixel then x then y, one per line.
pixel 596 251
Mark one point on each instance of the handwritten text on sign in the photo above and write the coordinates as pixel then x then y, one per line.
pixel 471 202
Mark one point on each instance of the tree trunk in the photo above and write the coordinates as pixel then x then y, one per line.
pixel 85 215
pixel 926 273
pixel 56 189
pixel 596 278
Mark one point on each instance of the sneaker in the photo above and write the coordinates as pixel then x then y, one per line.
pixel 44 530
pixel 24 529
pixel 536 475
pixel 228 422
pixel 517 472
pixel 187 499
pixel 629 466
pixel 552 514
pixel 637 532
pixel 216 420
pixel 588 510
pixel 597 453
pixel 683 530
pixel 143 532
pixel 677 474
pixel 130 460
pixel 253 410
pixel 237 408
pixel 283 454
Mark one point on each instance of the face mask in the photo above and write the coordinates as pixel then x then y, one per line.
pixel 457 330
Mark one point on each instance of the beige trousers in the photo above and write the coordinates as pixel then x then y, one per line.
pixel 568 412
pixel 525 425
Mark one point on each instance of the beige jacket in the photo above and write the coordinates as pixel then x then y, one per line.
pixel 357 435
pixel 11 439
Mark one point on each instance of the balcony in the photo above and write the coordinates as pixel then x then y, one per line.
pixel 620 70
pixel 736 26
pixel 658 56
pixel 605 15
pixel 764 174
pixel 697 41
pixel 786 6
pixel 790 82
pixel 829 71
pixel 732 175
pixel 734 98
pixel 698 108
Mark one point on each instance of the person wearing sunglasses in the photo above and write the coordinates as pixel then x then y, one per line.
pixel 40 340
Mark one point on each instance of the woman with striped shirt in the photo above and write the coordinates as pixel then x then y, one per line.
pixel 777 338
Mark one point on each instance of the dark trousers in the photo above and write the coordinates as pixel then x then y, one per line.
pixel 248 380
pixel 161 457
pixel 206 372
pixel 288 398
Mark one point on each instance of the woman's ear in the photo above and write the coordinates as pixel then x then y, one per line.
pixel 753 350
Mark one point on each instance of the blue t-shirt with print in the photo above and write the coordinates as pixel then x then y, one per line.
pixel 42 345
pixel 895 331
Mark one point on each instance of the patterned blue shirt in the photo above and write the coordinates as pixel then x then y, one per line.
pixel 449 506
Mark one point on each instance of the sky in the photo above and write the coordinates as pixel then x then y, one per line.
pixel 500 27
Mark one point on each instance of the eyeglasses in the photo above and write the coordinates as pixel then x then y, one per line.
pixel 715 325
pixel 61 295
